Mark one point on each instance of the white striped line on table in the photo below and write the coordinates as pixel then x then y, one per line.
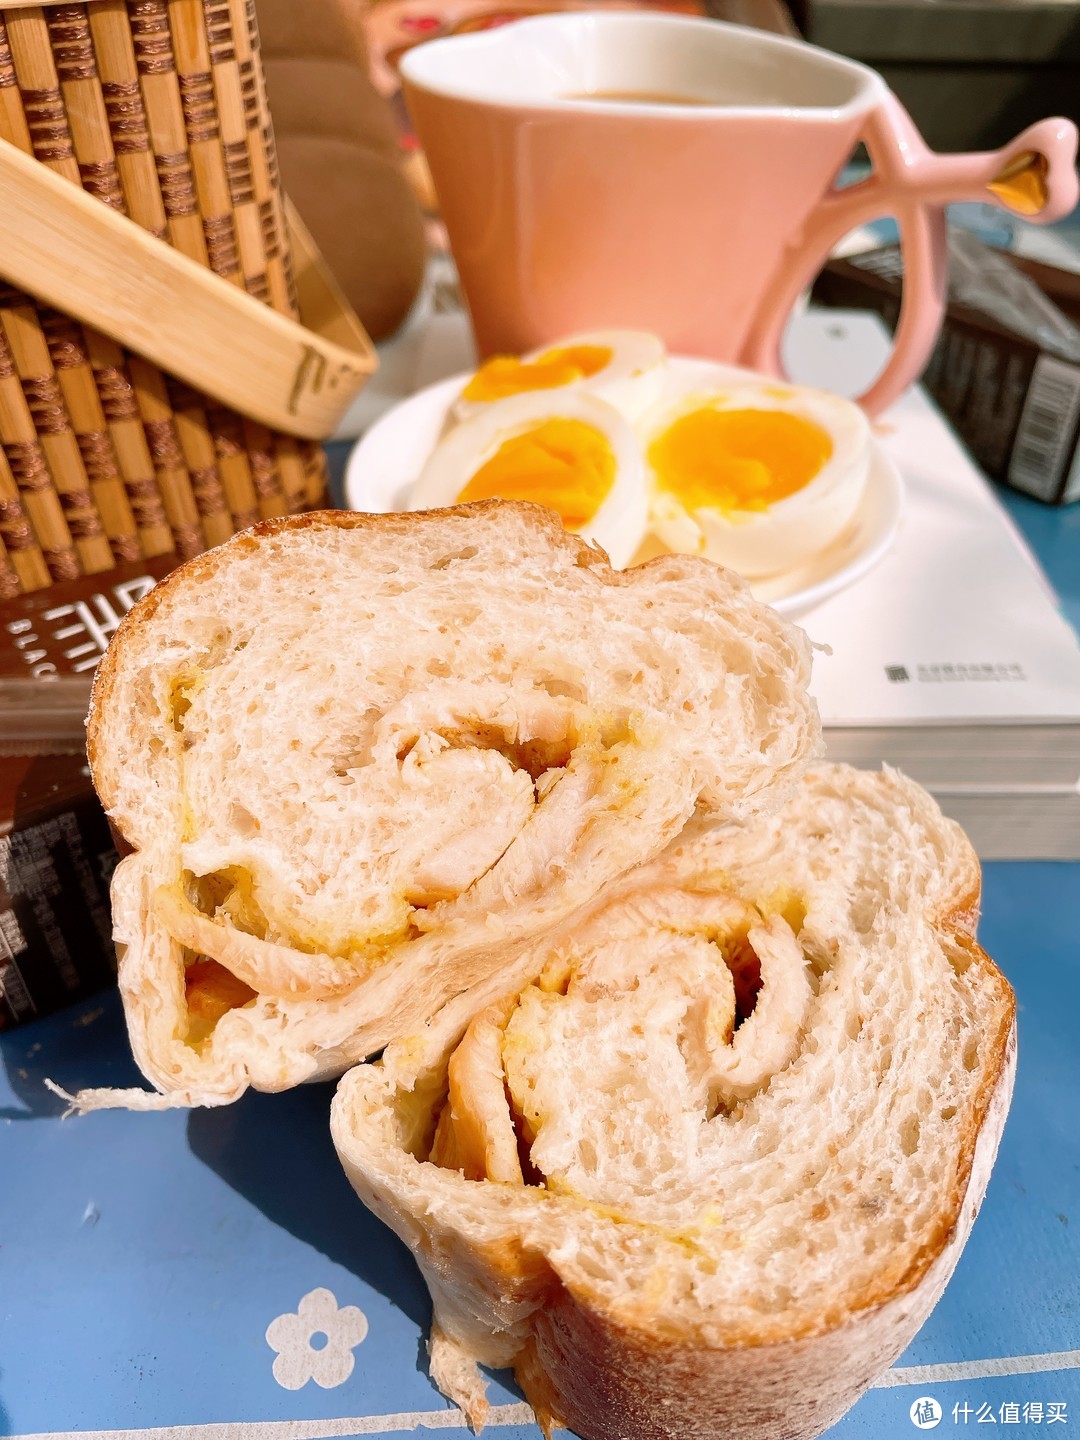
pixel 980 1369
pixel 450 1419
pixel 503 1415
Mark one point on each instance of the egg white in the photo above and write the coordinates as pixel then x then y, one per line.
pixel 632 380
pixel 760 543
pixel 621 520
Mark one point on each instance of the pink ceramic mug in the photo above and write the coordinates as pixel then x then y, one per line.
pixel 677 175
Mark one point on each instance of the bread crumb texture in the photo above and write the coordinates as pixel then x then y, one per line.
pixel 346 747
pixel 746 1106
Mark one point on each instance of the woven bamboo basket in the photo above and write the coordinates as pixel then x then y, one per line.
pixel 171 349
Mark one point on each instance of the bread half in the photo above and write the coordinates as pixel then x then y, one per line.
pixel 704 1168
pixel 360 759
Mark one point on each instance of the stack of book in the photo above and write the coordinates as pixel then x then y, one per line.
pixel 951 660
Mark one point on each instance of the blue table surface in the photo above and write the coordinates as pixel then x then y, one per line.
pixel 142 1257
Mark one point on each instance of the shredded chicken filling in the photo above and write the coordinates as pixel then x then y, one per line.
pixel 210 992
pixel 284 941
pixel 727 979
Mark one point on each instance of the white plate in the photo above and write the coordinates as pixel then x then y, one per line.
pixel 385 463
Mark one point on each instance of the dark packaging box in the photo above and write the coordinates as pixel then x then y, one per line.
pixel 1014 401
pixel 56 851
pixel 56 859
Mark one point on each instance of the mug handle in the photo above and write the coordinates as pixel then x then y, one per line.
pixel 1034 176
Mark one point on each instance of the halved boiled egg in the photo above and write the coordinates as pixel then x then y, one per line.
pixel 572 452
pixel 623 367
pixel 758 477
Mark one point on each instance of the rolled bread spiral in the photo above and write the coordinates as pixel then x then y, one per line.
pixel 360 759
pixel 706 1164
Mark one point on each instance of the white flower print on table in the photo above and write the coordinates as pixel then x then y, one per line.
pixel 299 1359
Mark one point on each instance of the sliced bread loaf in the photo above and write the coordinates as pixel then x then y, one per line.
pixel 702 1162
pixel 360 759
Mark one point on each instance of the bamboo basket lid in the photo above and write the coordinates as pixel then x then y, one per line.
pixel 196 326
pixel 36 4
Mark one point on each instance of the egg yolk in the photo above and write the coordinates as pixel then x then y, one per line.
pixel 564 464
pixel 505 375
pixel 738 459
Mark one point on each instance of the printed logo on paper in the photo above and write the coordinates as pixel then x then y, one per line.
pixel 925 1413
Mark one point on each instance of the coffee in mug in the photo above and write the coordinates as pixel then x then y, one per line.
pixel 679 175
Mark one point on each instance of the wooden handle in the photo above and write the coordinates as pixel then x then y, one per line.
pixel 62 246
